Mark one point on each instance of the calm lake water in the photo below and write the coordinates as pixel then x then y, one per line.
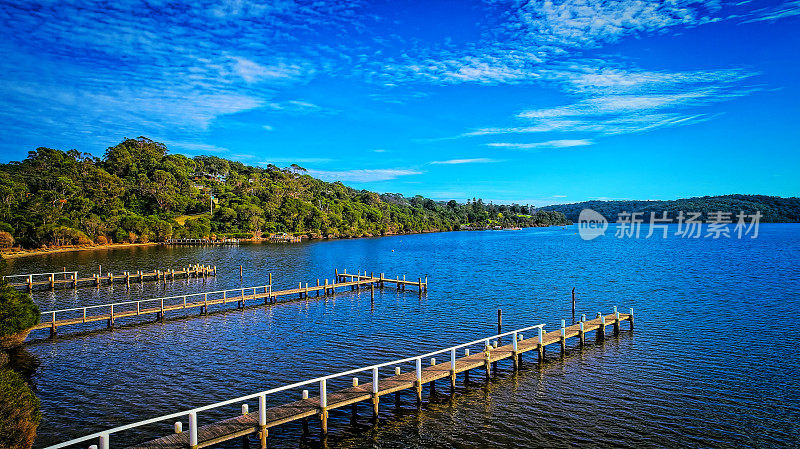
pixel 712 362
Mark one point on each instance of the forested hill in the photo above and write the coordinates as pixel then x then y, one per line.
pixel 774 209
pixel 138 192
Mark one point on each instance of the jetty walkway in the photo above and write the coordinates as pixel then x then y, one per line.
pixel 70 279
pixel 454 360
pixel 160 307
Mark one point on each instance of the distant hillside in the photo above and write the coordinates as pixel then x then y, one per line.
pixel 774 209
pixel 138 192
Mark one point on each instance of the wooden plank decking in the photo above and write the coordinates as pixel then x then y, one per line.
pixel 69 280
pixel 110 313
pixel 218 432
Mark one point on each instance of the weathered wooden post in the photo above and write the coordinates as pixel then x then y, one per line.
pixel 103 440
pixel 300 289
pixel 499 320
pixel 418 381
pixel 161 313
pixel 514 348
pixel 466 373
pixel 53 325
pixel 372 293
pixel 404 282
pixel 317 286
pixel 323 405
pixel 433 382
pixel 630 317
pixel 426 282
pixel 178 427
pixel 419 286
pixel 452 371
pixel 192 430
pixel 581 334
pixel 241 272
pixel 110 323
pixel 601 332
pixel 355 404
pixel 325 292
pixel 563 337
pixel 573 305
pixel 397 393
pixel 305 420
pixel 30 283
pixel 262 420
pixel 540 346
pixel 381 281
pixel 52 282
pixel 616 321
pixel 487 357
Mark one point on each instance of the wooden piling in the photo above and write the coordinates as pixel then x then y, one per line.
pixel 573 305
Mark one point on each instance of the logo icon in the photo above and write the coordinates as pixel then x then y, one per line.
pixel 591 224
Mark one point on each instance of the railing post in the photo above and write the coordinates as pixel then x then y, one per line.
pixel 323 404
pixel 262 419
pixel 514 347
pixel 419 380
pixel 601 333
pixel 452 370
pixel 192 430
pixel 631 318
pixel 375 389
pixel 103 440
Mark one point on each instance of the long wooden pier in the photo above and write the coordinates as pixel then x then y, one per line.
pixel 160 307
pixel 70 279
pixel 454 360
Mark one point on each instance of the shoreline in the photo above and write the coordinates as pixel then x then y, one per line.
pixel 19 253
pixel 68 249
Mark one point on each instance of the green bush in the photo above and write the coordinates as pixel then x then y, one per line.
pixel 19 411
pixel 17 311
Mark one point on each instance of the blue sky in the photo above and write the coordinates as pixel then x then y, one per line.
pixel 533 102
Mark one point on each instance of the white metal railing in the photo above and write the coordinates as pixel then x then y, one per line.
pixel 30 276
pixel 53 314
pixel 103 437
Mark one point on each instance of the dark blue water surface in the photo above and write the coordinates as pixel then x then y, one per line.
pixel 712 361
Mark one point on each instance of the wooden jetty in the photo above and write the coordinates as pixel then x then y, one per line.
pixel 454 360
pixel 200 242
pixel 159 307
pixel 70 279
pixel 284 238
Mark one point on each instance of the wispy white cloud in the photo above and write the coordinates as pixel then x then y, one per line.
pixel 788 9
pixel 565 143
pixel 478 160
pixel 362 175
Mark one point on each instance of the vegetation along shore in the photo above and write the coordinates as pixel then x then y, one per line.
pixel 139 193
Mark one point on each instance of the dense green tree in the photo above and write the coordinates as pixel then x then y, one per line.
pixel 140 192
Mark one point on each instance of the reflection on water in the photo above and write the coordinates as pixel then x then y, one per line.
pixel 710 363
